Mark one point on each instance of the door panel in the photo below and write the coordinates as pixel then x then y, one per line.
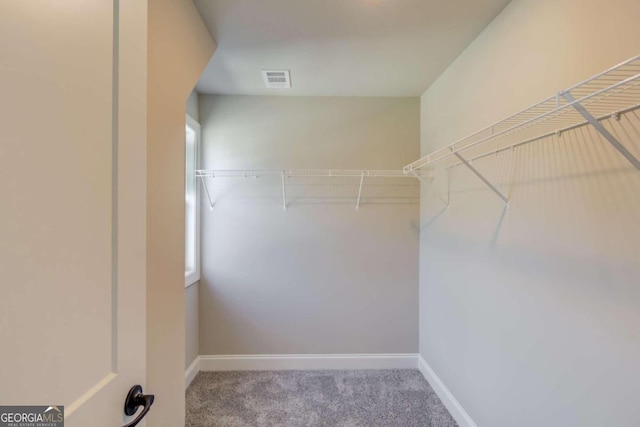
pixel 64 298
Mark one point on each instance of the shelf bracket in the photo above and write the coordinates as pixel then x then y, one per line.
pixel 418 177
pixel 284 193
pixel 602 130
pixel 479 175
pixel 448 186
pixel 445 202
pixel 360 190
pixel 206 190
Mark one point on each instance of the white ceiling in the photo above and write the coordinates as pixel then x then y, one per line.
pixel 338 47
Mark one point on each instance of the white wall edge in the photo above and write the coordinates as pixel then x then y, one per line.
pixel 191 372
pixel 455 408
pixel 307 362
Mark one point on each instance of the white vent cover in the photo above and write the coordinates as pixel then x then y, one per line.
pixel 276 79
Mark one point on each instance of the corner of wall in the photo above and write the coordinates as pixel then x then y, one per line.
pixel 179 47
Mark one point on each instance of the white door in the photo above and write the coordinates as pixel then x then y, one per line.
pixel 72 232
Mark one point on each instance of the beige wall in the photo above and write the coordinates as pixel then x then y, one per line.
pixel 320 277
pixel 179 48
pixel 530 319
pixel 192 331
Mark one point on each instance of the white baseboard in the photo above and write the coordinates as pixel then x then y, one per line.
pixel 276 362
pixel 191 372
pixel 455 409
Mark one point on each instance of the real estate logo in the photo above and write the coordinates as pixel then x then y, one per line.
pixel 32 416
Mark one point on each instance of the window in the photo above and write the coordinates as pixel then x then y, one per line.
pixel 191 205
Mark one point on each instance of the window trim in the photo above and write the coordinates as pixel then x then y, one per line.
pixel 194 277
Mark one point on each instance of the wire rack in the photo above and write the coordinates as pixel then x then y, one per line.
pixel 326 173
pixel 607 95
pixel 345 184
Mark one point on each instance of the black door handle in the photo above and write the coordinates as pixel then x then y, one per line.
pixel 134 400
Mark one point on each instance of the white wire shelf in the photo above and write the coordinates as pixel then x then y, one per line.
pixel 327 173
pixel 604 96
pixel 330 179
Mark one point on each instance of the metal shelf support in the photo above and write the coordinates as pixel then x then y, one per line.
pixel 445 202
pixel 418 177
pixel 206 190
pixel 360 190
pixel 284 192
pixel 482 178
pixel 601 129
pixel 448 187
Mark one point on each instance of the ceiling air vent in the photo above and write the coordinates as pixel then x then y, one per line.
pixel 276 79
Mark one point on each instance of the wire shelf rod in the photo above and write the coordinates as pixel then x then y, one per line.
pixel 328 173
pixel 547 135
pixel 607 90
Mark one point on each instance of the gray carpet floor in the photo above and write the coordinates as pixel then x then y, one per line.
pixel 359 398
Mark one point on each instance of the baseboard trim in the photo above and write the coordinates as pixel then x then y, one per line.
pixel 274 362
pixel 191 372
pixel 455 408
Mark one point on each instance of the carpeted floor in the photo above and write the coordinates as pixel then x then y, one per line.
pixel 386 398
